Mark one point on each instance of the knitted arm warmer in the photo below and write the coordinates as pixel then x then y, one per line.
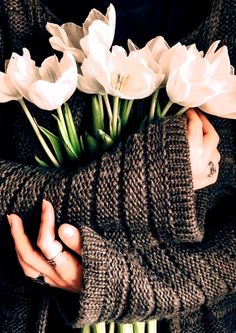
pixel 144 184
pixel 162 281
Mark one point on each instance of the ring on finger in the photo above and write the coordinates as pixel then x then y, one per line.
pixel 40 279
pixel 52 261
pixel 213 169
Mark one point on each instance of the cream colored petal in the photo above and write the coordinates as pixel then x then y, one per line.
pixel 74 34
pixel 22 72
pixel 210 54
pixel 157 46
pixel 7 91
pixel 57 31
pixel 49 96
pixel 89 81
pixel 224 104
pixel 50 70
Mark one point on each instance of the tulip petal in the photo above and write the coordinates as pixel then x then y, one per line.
pixel 50 96
pixel 223 105
pixel 7 91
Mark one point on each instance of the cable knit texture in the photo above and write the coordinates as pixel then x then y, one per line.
pixel 151 246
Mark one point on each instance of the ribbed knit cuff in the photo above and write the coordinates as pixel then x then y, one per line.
pixel 174 205
pixel 85 308
pixel 115 286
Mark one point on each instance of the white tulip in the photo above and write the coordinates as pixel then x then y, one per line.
pixel 224 104
pixel 198 78
pixel 8 91
pixel 48 86
pixel 77 40
pixel 119 74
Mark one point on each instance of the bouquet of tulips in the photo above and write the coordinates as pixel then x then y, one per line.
pixel 115 78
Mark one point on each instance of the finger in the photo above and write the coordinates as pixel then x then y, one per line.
pixel 194 127
pixel 210 136
pixel 47 243
pixel 70 282
pixel 33 274
pixel 26 252
pixel 70 236
pixel 70 270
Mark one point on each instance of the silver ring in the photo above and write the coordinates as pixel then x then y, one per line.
pixel 52 261
pixel 40 279
pixel 212 169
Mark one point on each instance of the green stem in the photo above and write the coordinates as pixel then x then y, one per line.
pixel 126 113
pixel 86 329
pixel 152 326
pixel 166 108
pixel 125 328
pixel 38 134
pixel 109 112
pixel 153 106
pixel 108 106
pixel 101 105
pixel 111 327
pixel 100 327
pixel 115 115
pixel 182 111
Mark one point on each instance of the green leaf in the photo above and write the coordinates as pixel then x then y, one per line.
pixel 91 143
pixel 143 123
pixel 65 141
pixel 55 142
pixel 106 138
pixel 41 162
pixel 81 143
pixel 158 110
pixel 98 119
pixel 71 129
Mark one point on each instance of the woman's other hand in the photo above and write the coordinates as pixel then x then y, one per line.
pixel 49 263
pixel 204 155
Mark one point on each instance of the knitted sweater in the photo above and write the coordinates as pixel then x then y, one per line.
pixel 152 247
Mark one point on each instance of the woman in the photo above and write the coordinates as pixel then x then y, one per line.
pixel 168 254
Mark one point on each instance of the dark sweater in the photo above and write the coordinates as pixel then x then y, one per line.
pixel 151 246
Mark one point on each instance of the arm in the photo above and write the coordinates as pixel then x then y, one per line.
pixel 144 184
pixel 160 281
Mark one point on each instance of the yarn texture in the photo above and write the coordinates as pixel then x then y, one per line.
pixel 152 247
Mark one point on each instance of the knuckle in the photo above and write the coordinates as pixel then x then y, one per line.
pixel 217 139
pixel 42 244
pixel 26 272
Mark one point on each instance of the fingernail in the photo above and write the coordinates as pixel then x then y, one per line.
pixel 68 232
pixel 44 205
pixel 9 219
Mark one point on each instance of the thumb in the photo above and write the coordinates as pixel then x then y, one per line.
pixel 70 236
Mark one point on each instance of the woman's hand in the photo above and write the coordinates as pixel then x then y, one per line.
pixel 50 263
pixel 204 156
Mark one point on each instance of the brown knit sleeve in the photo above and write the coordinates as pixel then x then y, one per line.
pixel 143 185
pixel 164 280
